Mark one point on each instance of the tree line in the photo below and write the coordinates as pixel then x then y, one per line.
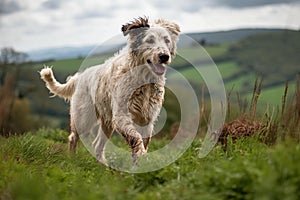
pixel 13 108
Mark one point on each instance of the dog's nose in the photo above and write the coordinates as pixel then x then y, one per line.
pixel 163 57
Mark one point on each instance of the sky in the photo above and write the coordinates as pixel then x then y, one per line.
pixel 39 24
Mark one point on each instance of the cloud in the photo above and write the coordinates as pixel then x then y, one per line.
pixel 9 6
pixel 52 4
pixel 251 3
pixel 225 18
pixel 191 6
pixel 93 12
pixel 186 5
pixel 32 24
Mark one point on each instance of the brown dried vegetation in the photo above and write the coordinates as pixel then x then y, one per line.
pixel 275 124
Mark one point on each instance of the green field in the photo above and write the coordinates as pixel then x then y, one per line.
pixel 242 84
pixel 226 69
pixel 37 166
pixel 70 66
pixel 66 65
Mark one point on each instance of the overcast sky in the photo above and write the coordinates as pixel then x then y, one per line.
pixel 35 24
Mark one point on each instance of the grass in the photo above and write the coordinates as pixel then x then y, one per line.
pixel 272 96
pixel 264 166
pixel 66 65
pixel 242 84
pixel 228 68
pixel 37 166
pixel 225 68
pixel 217 51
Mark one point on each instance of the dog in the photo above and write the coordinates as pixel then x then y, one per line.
pixel 125 93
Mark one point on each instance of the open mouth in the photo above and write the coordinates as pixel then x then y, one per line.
pixel 159 69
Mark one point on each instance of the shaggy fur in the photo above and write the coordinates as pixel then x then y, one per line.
pixel 123 94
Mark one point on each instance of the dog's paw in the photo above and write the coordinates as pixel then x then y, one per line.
pixel 136 155
pixel 101 158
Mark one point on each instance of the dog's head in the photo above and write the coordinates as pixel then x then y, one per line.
pixel 153 45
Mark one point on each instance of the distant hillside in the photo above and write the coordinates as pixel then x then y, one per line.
pixel 69 52
pixel 226 36
pixel 275 56
pixel 271 55
pixel 59 53
pixel 209 37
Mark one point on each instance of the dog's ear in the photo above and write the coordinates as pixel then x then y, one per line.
pixel 172 27
pixel 173 30
pixel 137 23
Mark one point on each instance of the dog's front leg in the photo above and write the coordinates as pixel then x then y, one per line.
pixel 124 125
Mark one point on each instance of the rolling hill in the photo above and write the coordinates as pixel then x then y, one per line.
pixel 229 36
pixel 218 37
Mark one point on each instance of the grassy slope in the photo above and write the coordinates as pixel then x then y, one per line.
pixel 70 66
pixel 272 55
pixel 39 167
pixel 66 65
pixel 242 84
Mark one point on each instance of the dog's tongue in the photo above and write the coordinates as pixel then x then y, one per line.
pixel 159 69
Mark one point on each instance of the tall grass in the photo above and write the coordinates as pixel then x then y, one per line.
pixel 35 167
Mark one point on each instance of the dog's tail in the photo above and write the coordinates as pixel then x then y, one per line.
pixel 63 90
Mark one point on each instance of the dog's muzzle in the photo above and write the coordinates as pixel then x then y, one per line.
pixel 159 69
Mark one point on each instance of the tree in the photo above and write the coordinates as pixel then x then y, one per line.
pixel 202 42
pixel 10 66
pixel 10 58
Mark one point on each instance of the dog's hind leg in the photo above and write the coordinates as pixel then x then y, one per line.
pixel 73 141
pixel 104 133
pixel 73 138
pixel 83 119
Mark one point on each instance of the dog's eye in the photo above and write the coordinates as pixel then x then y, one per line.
pixel 150 41
pixel 167 40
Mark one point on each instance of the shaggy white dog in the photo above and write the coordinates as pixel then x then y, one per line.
pixel 126 92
